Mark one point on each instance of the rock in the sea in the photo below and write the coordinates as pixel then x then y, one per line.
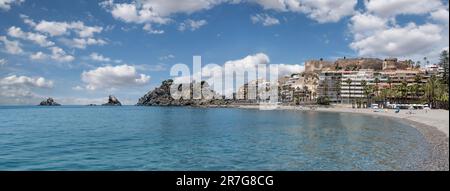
pixel 112 101
pixel 162 96
pixel 49 102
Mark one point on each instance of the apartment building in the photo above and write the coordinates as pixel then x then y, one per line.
pixel 355 89
pixel 329 85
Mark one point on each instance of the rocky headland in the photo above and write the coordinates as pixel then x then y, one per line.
pixel 49 102
pixel 162 96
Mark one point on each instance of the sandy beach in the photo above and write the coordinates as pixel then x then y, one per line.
pixel 432 124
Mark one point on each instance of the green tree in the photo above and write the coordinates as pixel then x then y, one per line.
pixel 367 89
pixel 337 89
pixel 389 81
pixel 349 83
pixel 403 88
pixel 384 94
pixel 418 64
pixel 425 60
pixel 431 90
pixel 377 81
pixel 417 87
pixel 443 62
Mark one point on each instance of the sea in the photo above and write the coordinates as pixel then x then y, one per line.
pixel 85 138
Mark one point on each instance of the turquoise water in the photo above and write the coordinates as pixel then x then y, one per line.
pixel 157 138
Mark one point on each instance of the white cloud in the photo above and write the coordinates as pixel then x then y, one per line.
pixel 60 55
pixel 6 4
pixel 34 37
pixel 191 25
pixel 160 11
pixel 84 35
pixel 440 15
pixel 376 32
pixel 390 8
pixel 399 41
pixel 322 11
pixel 57 54
pixel 26 19
pixel 11 46
pixel 82 43
pixel 111 77
pixel 167 57
pixel 64 28
pixel 38 82
pixel 85 31
pixel 148 27
pixel 155 11
pixel 3 62
pixel 52 28
pixel 20 89
pixel 363 25
pixel 264 19
pixel 98 57
pixel 287 69
pixel 38 56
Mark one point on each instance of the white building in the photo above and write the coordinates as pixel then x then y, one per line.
pixel 355 90
pixel 433 69
pixel 328 85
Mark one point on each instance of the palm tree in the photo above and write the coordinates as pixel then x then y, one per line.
pixel 385 94
pixel 389 81
pixel 417 88
pixel 377 81
pixel 425 59
pixel 307 93
pixel 444 63
pixel 404 90
pixel 349 82
pixel 431 88
pixel 365 89
pixel 418 64
pixel 337 89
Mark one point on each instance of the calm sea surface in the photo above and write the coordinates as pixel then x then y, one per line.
pixel 156 138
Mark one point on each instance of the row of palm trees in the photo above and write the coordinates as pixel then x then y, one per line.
pixel 434 92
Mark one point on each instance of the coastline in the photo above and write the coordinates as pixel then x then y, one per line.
pixel 433 125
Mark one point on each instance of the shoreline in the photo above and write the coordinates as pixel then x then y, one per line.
pixel 433 125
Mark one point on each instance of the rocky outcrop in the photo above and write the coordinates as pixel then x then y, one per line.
pixel 162 96
pixel 49 102
pixel 112 101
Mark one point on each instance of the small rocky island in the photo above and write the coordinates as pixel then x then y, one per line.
pixel 49 102
pixel 161 96
pixel 112 101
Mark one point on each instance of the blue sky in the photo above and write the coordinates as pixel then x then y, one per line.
pixel 80 51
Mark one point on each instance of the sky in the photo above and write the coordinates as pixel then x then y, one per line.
pixel 79 52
